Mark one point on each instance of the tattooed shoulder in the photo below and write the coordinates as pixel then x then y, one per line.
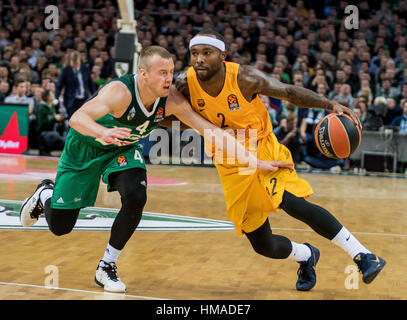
pixel 250 80
pixel 181 83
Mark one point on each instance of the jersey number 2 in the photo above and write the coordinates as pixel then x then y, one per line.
pixel 273 181
pixel 221 115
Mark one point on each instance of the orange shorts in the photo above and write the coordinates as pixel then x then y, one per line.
pixel 251 197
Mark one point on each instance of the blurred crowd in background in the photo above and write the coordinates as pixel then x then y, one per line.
pixel 300 42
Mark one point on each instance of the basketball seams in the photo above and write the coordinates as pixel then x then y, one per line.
pixel 347 137
pixel 352 134
pixel 322 139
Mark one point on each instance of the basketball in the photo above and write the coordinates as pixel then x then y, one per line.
pixel 337 136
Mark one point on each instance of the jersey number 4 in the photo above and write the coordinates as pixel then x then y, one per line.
pixel 143 127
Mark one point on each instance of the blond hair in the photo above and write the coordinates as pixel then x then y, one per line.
pixel 75 56
pixel 148 52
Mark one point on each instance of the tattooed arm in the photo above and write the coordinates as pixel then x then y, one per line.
pixel 181 83
pixel 252 82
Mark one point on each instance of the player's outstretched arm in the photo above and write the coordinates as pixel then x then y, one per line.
pixel 113 98
pixel 178 105
pixel 253 81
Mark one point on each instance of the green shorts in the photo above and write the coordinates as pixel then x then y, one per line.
pixel 81 167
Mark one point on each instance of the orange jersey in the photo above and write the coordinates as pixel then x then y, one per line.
pixel 249 196
pixel 229 109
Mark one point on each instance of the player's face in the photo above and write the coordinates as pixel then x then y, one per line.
pixel 206 61
pixel 159 75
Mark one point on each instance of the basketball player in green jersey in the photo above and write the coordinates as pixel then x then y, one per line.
pixel 103 140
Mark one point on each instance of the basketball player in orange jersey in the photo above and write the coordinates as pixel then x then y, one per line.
pixel 227 94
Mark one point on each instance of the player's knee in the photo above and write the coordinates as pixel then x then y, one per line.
pixel 60 221
pixel 61 230
pixel 135 198
pixel 263 247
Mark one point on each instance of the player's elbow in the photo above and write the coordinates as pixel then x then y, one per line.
pixel 74 120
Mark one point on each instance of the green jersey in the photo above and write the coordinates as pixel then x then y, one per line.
pixel 137 117
pixel 85 159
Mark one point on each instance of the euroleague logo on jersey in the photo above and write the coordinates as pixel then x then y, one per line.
pixel 159 116
pixel 121 161
pixel 233 102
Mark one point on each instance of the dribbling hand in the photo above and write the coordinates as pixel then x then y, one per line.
pixel 338 108
pixel 111 135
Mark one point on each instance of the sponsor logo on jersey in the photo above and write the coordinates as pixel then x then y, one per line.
pixel 122 161
pixel 131 114
pixel 201 104
pixel 159 115
pixel 233 103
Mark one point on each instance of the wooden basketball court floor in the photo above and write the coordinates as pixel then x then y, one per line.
pixel 202 265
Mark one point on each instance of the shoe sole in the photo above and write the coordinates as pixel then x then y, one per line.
pixel 103 286
pixel 369 278
pixel 21 211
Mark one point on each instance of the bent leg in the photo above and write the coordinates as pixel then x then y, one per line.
pixel 132 187
pixel 319 219
pixel 60 221
pixel 266 243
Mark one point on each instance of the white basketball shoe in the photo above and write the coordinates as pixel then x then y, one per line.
pixel 106 277
pixel 32 208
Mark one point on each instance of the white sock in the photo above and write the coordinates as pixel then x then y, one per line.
pixel 300 252
pixel 111 255
pixel 349 243
pixel 45 195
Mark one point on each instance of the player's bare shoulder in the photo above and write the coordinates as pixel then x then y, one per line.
pixel 117 96
pixel 251 81
pixel 181 84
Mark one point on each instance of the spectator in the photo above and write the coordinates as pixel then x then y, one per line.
pixel 387 91
pixel 362 106
pixel 365 91
pixel 107 69
pixel 346 95
pixel 393 110
pixel 401 121
pixel 288 136
pixel 4 90
pixel 336 91
pixel 271 108
pixel 375 114
pixel 5 74
pixel 20 96
pixel 97 80
pixel 47 120
pixel 75 79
